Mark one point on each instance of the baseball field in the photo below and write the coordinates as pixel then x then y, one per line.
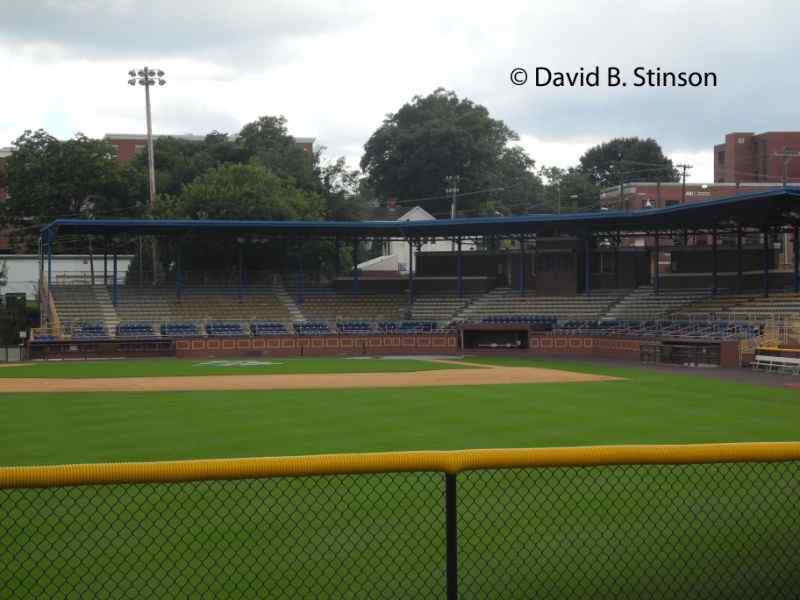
pixel 182 409
pixel 565 532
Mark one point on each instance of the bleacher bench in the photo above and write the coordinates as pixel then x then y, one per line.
pixel 776 364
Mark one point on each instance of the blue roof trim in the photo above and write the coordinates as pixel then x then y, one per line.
pixel 750 209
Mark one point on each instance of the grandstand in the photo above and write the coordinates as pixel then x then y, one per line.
pixel 553 277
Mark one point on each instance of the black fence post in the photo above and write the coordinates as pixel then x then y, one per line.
pixel 451 521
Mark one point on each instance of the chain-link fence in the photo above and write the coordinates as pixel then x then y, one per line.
pixel 485 530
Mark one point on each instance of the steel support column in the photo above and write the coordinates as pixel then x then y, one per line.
pixel 49 264
pixel 714 261
pixel 739 265
pixel 657 268
pixel 587 275
pixel 796 259
pixel 766 262
pixel 114 283
pixel 410 272
pixel 240 260
pixel 522 266
pixel 355 266
pixel 178 272
pixel 460 270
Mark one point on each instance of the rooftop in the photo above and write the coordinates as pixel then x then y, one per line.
pixel 770 208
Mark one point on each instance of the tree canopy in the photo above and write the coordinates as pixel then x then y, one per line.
pixel 242 192
pixel 432 137
pixel 635 158
pixel 264 142
pixel 49 179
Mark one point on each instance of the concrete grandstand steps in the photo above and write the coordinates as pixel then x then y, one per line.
pixel 509 302
pixel 84 304
pixel 439 308
pixel 161 304
pixel 108 313
pixel 327 304
pixel 295 313
pixel 643 303
pixel 777 304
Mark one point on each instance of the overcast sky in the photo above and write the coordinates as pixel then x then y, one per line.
pixel 335 69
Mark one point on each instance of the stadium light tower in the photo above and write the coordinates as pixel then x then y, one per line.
pixel 147 77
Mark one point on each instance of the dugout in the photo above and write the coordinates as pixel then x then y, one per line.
pixel 494 337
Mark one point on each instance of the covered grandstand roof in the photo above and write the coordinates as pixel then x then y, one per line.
pixel 756 209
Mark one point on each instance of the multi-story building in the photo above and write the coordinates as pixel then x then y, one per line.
pixel 638 195
pixel 746 156
pixel 128 145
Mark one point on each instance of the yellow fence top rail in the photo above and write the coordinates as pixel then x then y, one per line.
pixel 451 462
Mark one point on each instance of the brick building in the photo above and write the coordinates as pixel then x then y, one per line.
pixel 129 144
pixel 638 195
pixel 746 156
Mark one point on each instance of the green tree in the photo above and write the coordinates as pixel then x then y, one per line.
pixel 238 192
pixel 267 141
pixel 634 158
pixel 435 136
pixel 568 190
pixel 50 179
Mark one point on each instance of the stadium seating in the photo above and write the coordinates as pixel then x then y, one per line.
pixel 135 330
pixel 262 328
pixel 661 328
pixel 507 302
pixel 354 327
pixel 221 329
pixel 407 327
pixel 440 308
pixel 749 307
pixel 325 304
pixel 312 328
pixel 86 331
pixel 180 330
pixel 645 303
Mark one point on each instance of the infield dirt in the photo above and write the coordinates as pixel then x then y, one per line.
pixel 475 375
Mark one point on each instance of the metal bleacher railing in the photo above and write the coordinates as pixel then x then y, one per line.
pixel 693 521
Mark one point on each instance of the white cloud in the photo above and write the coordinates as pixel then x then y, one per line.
pixel 335 69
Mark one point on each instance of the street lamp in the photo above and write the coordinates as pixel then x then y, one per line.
pixel 147 77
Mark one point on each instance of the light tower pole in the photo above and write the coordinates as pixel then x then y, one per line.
pixel 147 77
pixel 452 189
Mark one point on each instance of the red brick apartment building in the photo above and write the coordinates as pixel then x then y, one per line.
pixel 746 156
pixel 128 144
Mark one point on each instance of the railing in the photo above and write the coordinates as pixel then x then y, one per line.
pixel 694 521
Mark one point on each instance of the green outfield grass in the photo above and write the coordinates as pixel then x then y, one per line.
pixel 705 531
pixel 167 367
pixel 646 407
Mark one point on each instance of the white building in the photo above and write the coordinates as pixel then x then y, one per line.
pixel 395 252
pixel 23 271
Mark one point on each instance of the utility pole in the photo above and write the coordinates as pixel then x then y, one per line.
pixel 683 185
pixel 148 77
pixel 621 180
pixel 452 189
pixel 787 156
